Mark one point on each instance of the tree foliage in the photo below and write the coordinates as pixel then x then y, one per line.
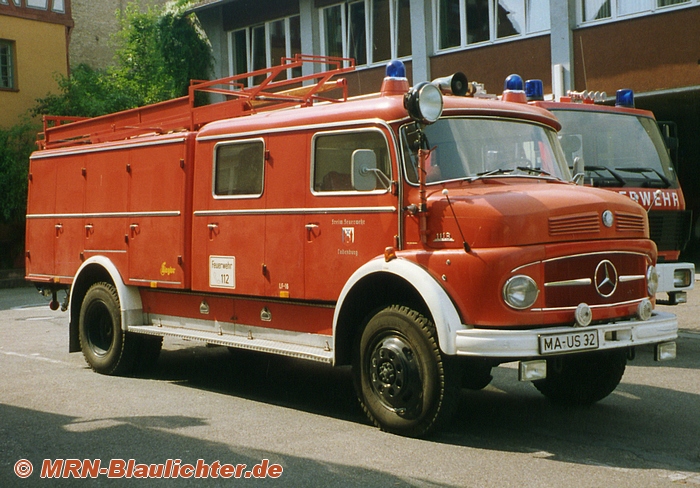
pixel 159 51
pixel 16 144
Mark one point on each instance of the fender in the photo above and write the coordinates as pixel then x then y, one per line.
pixel 445 316
pixel 129 296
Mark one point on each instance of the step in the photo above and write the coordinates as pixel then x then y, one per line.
pixel 299 351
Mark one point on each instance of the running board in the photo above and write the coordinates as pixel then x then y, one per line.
pixel 262 345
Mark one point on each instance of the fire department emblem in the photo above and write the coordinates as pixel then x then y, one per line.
pixel 605 278
pixel 348 235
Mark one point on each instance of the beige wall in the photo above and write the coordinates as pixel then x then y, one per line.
pixel 40 53
pixel 95 23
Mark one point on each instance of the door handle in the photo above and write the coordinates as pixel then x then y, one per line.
pixel 311 231
pixel 213 230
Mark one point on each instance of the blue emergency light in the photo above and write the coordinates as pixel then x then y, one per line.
pixel 395 69
pixel 624 98
pixel 534 90
pixel 513 82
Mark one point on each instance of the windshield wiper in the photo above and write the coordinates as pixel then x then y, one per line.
pixel 499 171
pixel 615 174
pixel 537 171
pixel 641 171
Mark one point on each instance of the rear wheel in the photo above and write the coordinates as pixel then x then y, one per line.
pixel 105 346
pixel 403 382
pixel 583 379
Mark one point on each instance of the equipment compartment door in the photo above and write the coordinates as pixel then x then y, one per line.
pixel 228 230
pixel 69 225
pixel 155 229
pixel 285 188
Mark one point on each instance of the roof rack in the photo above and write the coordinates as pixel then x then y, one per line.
pixel 207 101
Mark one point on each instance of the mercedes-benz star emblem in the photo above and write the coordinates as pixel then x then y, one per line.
pixel 605 278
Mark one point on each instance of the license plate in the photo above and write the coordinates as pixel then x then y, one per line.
pixel 570 341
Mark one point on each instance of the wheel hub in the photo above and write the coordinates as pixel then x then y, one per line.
pixel 387 372
pixel 395 376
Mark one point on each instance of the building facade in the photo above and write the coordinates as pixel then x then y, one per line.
pixel 96 22
pixel 650 46
pixel 34 38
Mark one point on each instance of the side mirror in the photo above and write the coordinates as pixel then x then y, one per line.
pixel 579 170
pixel 364 165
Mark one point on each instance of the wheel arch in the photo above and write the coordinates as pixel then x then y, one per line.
pixel 378 284
pixel 101 269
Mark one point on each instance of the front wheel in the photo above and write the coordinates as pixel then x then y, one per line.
pixel 583 379
pixel 105 346
pixel 404 383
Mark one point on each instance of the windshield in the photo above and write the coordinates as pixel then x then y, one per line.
pixel 473 148
pixel 617 149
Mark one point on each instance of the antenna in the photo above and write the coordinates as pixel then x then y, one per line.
pixel 653 200
pixel 464 241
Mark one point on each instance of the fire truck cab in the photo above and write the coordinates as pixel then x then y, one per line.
pixel 422 235
pixel 621 148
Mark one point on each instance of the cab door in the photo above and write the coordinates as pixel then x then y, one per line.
pixel 347 224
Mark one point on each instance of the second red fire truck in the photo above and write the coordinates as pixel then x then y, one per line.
pixel 621 148
pixel 419 235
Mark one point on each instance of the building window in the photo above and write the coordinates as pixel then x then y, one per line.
pixel 41 4
pixel 369 31
pixel 464 22
pixel 58 6
pixel 7 65
pixel 264 45
pixel 597 10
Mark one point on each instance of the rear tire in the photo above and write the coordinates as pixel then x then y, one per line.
pixel 105 346
pixel 403 382
pixel 583 379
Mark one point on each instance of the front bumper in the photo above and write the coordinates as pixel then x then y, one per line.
pixel 522 344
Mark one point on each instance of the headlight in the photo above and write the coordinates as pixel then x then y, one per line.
pixel 681 278
pixel 652 281
pixel 520 292
pixel 424 103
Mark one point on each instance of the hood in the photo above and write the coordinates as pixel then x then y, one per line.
pixel 502 212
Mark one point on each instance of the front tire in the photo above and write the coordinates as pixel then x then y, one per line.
pixel 105 346
pixel 404 383
pixel 583 379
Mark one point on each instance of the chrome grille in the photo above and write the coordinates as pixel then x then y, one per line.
pixel 628 222
pixel 570 280
pixel 574 224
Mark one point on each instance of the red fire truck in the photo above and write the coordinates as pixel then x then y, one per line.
pixel 622 149
pixel 421 237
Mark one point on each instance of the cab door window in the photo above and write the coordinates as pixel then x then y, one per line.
pixel 332 159
pixel 238 169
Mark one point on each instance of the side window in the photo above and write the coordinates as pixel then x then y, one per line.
pixel 332 161
pixel 238 169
